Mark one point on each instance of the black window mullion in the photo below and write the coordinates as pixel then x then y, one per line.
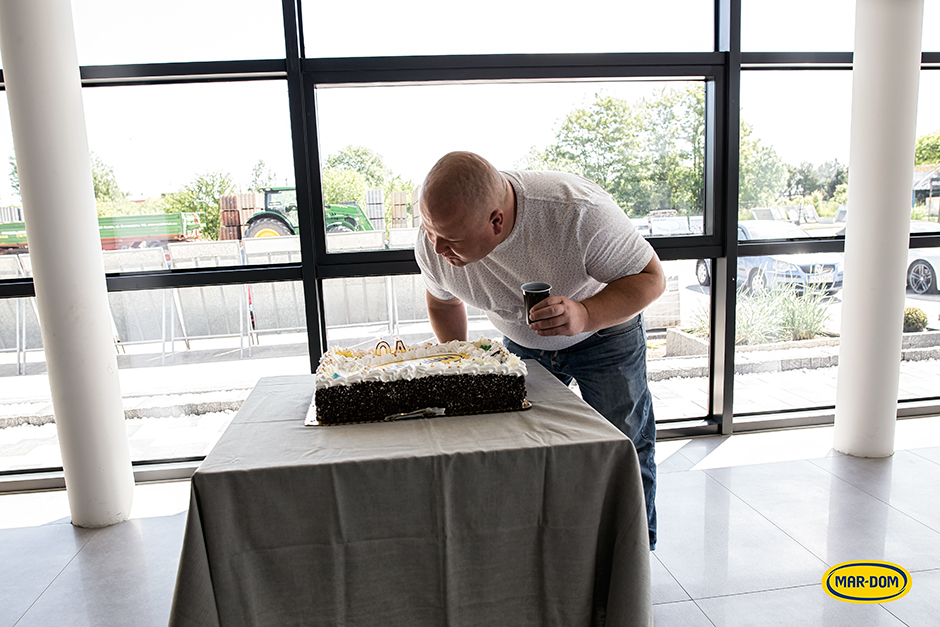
pixel 307 186
pixel 724 268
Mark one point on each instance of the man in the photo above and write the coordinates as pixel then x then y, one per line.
pixel 485 233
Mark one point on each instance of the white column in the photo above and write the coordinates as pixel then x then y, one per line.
pixel 885 77
pixel 41 76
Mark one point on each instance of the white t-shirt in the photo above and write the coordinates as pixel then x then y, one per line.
pixel 568 232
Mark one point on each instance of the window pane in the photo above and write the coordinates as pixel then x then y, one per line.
pixel 931 38
pixel 921 344
pixel 794 151
pixel 166 158
pixel 363 309
pixel 187 357
pixel 643 141
pixel 677 327
pixel 423 27
pixel 798 26
pixel 111 32
pixel 788 313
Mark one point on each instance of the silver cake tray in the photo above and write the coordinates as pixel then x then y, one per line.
pixel 310 420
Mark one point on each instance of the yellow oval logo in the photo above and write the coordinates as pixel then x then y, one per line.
pixel 866 582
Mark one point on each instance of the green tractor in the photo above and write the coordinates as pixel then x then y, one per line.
pixel 279 216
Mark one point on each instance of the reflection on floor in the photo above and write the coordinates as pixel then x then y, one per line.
pixel 748 526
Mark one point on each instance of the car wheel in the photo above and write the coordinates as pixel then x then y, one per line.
pixel 338 227
pixel 701 273
pixel 757 282
pixel 922 278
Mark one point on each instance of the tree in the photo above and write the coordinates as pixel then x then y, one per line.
pixel 927 149
pixel 103 180
pixel 262 177
pixel 105 183
pixel 343 185
pixel 647 155
pixel 202 195
pixel 14 175
pixel 369 166
pixel 762 176
pixel 362 160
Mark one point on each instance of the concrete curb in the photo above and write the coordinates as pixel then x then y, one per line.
pixel 46 416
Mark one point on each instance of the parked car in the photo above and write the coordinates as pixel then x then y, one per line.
pixel 923 263
pixel 813 271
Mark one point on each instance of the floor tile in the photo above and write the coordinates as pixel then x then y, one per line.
pixel 683 614
pixel 932 453
pixel 34 508
pixel 713 543
pixel 906 481
pixel 125 575
pixel 669 458
pixel 835 520
pixel 665 587
pixel 921 606
pixel 793 607
pixel 32 558
pixel 697 449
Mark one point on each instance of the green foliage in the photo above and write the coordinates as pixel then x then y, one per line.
pixel 647 155
pixel 343 185
pixel 105 183
pixel 202 196
pixel 347 175
pixel 14 175
pixel 362 160
pixel 103 179
pixel 915 320
pixel 803 314
pixel 927 149
pixel 125 207
pixel 761 174
pixel 262 177
pixel 824 182
pixel 779 315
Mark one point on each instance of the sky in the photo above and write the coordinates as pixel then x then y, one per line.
pixel 160 138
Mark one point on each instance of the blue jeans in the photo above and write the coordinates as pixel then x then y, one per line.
pixel 610 368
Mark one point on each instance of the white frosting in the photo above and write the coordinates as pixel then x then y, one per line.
pixel 340 366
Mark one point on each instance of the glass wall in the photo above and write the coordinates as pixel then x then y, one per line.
pixel 424 27
pixel 797 25
pixel 237 123
pixel 187 359
pixel 643 141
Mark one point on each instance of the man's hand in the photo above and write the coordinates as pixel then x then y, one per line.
pixel 619 301
pixel 558 315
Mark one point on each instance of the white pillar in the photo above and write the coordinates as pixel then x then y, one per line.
pixel 40 71
pixel 885 77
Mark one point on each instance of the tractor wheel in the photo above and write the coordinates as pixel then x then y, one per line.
pixel 267 227
pixel 339 227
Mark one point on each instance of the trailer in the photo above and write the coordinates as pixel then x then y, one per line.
pixel 119 232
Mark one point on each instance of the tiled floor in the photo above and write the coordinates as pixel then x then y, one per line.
pixel 748 526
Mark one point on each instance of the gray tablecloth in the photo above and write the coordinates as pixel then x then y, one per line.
pixel 522 518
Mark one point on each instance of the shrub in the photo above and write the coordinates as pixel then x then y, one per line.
pixel 778 315
pixel 914 320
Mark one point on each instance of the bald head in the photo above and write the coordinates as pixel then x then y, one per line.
pixel 467 208
pixel 466 183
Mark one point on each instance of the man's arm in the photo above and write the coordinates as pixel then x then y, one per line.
pixel 448 318
pixel 619 301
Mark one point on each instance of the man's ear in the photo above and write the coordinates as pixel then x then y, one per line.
pixel 497 221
